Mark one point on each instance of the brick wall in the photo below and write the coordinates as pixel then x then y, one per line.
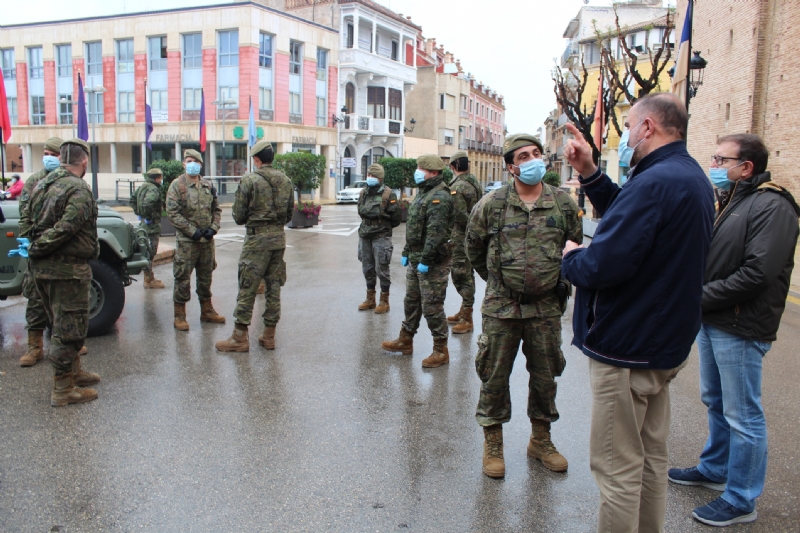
pixel 50 96
pixel 175 83
pixel 139 75
pixel 110 96
pixel 23 116
pixel 248 81
pixel 281 87
pixel 210 82
pixel 309 93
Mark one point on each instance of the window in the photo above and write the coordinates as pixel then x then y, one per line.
pixel 295 57
pixel 94 58
pixel 230 93
pixel 265 51
pixel 65 109
pixel 395 104
pixel 127 108
pixel 441 100
pixel 95 103
pixel 35 68
pixel 449 137
pixel 322 112
pixel 350 97
pixel 228 48
pixel 265 99
pixel 294 104
pixel 12 111
pixel 158 100
pixel 64 57
pixel 322 64
pixel 9 69
pixel 191 98
pixel 37 110
pixel 376 102
pixel 193 51
pixel 157 49
pixel 350 35
pixel 125 56
pixel 395 50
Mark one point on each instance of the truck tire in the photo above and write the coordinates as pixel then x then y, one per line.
pixel 107 298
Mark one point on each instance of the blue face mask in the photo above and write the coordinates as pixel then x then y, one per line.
pixel 371 182
pixel 531 172
pixel 624 151
pixel 419 176
pixel 193 168
pixel 50 162
pixel 719 177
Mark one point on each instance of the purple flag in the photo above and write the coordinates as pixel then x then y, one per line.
pixel 148 117
pixel 83 123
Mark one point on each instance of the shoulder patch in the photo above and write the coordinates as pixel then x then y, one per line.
pixel 435 201
pixel 392 201
pixel 452 192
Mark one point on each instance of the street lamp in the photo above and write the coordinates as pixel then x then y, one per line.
pixel 69 102
pixel 339 120
pixel 91 91
pixel 697 66
pixel 409 130
pixel 224 105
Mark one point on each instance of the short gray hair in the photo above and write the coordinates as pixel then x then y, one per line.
pixel 666 110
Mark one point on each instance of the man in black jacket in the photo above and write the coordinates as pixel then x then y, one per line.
pixel 744 294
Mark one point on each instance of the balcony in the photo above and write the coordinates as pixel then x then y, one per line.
pixel 365 61
pixel 571 51
pixel 359 123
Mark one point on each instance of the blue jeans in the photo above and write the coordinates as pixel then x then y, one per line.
pixel 730 386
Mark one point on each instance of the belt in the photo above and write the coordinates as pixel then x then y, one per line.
pixel 521 297
pixel 254 230
pixel 69 259
pixel 416 247
pixel 371 221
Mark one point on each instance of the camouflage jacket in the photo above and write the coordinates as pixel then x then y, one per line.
pixel 378 217
pixel 192 206
pixel 517 250
pixel 466 192
pixel 265 198
pixel 148 206
pixel 24 198
pixel 63 234
pixel 430 223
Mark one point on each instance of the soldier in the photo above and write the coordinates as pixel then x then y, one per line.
pixel 264 203
pixel 466 192
pixel 377 207
pixel 427 256
pixel 35 315
pixel 514 241
pixel 62 217
pixel 147 206
pixel 193 209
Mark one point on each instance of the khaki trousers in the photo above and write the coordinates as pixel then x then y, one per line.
pixel 628 446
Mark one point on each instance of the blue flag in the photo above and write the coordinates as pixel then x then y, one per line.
pixel 83 122
pixel 251 127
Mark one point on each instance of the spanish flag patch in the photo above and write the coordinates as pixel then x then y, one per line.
pixel 435 201
pixel 392 201
pixel 452 192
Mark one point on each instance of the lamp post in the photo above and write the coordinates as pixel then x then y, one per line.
pixel 411 129
pixel 338 121
pixel 697 67
pixel 69 102
pixel 224 105
pixel 92 91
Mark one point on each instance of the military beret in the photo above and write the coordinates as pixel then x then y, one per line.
pixel 430 162
pixel 260 146
pixel 518 140
pixel 459 155
pixel 155 172
pixel 79 142
pixel 193 153
pixel 53 144
pixel 375 170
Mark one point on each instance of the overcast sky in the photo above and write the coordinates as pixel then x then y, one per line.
pixel 507 44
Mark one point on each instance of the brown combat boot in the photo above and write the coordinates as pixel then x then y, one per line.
pixel 80 378
pixel 267 338
pixel 35 351
pixel 150 281
pixel 453 319
pixel 542 448
pixel 440 355
pixel 83 351
pixel 65 392
pixel 403 344
pixel 494 465
pixel 238 342
pixel 207 313
pixel 369 303
pixel 465 324
pixel 383 307
pixel 180 317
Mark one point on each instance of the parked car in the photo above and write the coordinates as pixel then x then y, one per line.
pixel 493 185
pixel 350 193
pixel 123 253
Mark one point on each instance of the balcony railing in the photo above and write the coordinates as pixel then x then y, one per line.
pixel 571 51
pixel 353 122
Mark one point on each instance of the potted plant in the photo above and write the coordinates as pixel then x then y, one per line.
pixel 305 215
pixel 170 169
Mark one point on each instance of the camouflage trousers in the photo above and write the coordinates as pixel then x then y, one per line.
pixel 376 256
pixel 463 277
pixel 498 345
pixel 425 297
pixel 189 256
pixel 255 264
pixel 35 314
pixel 66 302
pixel 153 249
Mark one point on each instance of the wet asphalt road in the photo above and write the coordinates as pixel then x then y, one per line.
pixel 328 432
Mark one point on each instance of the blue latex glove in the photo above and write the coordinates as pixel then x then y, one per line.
pixel 404 261
pixel 423 269
pixel 22 251
pixel 140 219
pixel 148 222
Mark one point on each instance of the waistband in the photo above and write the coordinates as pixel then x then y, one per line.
pixel 372 221
pixel 254 230
pixel 68 259
pixel 521 297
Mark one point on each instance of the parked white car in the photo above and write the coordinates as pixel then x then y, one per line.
pixel 351 193
pixel 493 185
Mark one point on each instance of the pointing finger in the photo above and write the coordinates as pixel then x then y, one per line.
pixel 574 131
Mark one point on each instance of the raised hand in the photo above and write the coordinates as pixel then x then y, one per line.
pixel 579 153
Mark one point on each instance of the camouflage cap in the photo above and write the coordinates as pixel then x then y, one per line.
pixel 155 172
pixel 53 144
pixel 459 155
pixel 79 142
pixel 518 140
pixel 375 170
pixel 260 146
pixel 193 153
pixel 430 162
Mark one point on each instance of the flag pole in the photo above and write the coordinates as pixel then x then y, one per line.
pixel 690 14
pixel 2 160
pixel 144 155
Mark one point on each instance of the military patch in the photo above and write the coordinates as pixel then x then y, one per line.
pixel 435 201
pixel 392 201
pixel 580 213
pixel 452 192
pixel 551 222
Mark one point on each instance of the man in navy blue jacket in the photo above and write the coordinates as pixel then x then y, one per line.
pixel 637 307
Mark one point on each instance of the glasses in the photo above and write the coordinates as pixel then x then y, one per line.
pixel 719 160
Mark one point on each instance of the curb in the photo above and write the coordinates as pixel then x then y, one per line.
pixel 164 256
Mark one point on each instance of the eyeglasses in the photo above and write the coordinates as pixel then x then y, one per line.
pixel 719 160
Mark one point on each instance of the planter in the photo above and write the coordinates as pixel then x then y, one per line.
pixel 299 220
pixel 167 229
pixel 314 220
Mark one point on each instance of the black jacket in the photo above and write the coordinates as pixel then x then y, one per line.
pixel 750 263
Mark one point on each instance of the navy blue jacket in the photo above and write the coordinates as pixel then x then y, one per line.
pixel 640 281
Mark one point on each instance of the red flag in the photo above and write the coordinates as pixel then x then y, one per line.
pixel 599 117
pixel 5 118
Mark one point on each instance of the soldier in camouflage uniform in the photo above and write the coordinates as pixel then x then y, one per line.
pixel 193 209
pixel 62 217
pixel 148 207
pixel 515 238
pixel 466 192
pixel 379 212
pixel 427 256
pixel 264 203
pixel 35 315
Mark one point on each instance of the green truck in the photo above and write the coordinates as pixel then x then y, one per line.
pixel 123 253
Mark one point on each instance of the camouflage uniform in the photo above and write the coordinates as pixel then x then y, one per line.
pixel 428 229
pixel 35 314
pixel 264 203
pixel 375 233
pixel 149 208
pixel 521 265
pixel 466 192
pixel 192 206
pixel 63 233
